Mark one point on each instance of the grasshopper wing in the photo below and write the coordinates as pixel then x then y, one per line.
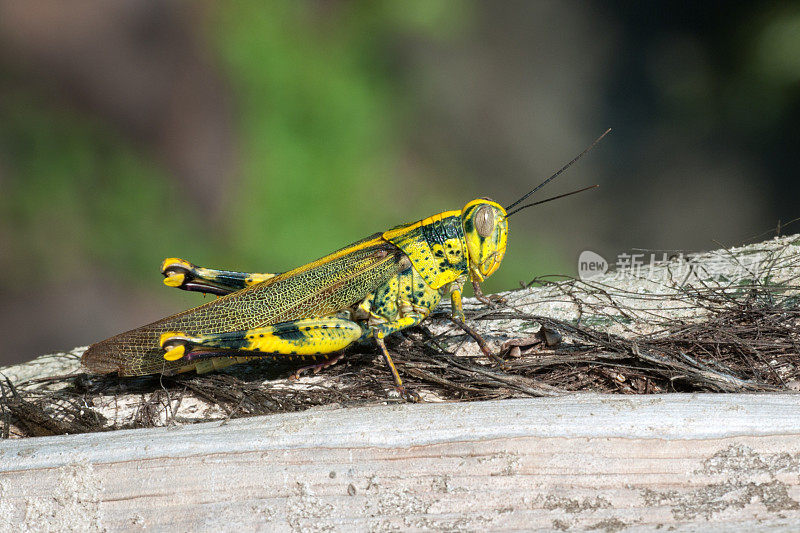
pixel 323 287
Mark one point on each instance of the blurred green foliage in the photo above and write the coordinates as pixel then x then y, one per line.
pixel 77 191
pixel 316 120
pixel 319 129
pixel 320 120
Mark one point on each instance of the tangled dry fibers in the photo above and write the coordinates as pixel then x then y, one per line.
pixel 725 321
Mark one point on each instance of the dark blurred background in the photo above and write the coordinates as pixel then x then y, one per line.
pixel 260 135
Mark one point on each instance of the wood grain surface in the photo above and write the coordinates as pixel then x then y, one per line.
pixel 583 462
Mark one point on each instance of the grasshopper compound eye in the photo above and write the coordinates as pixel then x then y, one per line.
pixel 484 221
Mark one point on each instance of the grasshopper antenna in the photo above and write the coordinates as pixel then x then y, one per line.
pixel 517 210
pixel 557 174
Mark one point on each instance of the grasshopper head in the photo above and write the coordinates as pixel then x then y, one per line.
pixel 486 232
pixel 485 224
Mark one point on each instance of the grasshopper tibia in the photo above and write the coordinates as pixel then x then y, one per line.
pixel 184 275
pixel 406 394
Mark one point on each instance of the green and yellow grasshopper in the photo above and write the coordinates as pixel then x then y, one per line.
pixel 372 288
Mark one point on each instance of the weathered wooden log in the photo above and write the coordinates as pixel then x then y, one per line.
pixel 581 462
pixel 722 321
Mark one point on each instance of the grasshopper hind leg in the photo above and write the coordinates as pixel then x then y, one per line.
pixel 182 274
pixel 297 338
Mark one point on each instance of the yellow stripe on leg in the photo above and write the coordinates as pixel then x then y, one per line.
pixel 254 279
pixel 175 353
pixel 298 337
pixel 174 342
pixel 304 337
pixel 174 279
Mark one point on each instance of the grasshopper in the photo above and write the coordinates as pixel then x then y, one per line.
pixel 372 288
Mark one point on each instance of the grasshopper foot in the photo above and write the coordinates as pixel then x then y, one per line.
pixel 316 368
pixel 493 300
pixel 407 394
pixel 410 395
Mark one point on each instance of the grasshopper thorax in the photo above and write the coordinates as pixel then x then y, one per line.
pixel 486 231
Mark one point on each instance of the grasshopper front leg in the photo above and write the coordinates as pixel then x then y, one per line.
pixel 458 318
pixel 182 274
pixel 492 301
